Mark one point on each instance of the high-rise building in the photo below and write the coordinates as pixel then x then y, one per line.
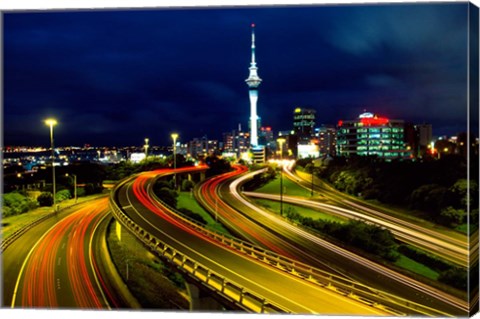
pixel 327 139
pixel 253 82
pixel 200 147
pixel 372 135
pixel 304 123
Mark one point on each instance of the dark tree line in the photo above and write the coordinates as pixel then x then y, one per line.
pixel 369 238
pixel 436 190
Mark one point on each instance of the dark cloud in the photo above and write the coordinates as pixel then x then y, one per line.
pixel 115 77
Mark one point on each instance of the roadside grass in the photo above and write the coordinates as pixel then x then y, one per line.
pixel 463 228
pixel 413 266
pixel 11 224
pixel 397 211
pixel 403 262
pixel 153 283
pixel 289 188
pixel 186 200
pixel 274 206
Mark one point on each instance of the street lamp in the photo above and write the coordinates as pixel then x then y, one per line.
pixel 281 141
pixel 74 186
pixel 146 147
pixel 312 171
pixel 174 137
pixel 51 123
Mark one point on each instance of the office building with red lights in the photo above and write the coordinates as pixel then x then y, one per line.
pixel 371 135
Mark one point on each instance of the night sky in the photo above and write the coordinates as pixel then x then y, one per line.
pixel 115 77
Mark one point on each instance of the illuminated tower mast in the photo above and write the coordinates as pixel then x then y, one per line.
pixel 253 82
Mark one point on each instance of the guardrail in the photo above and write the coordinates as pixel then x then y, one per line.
pixel 391 303
pixel 19 232
pixel 387 302
pixel 228 289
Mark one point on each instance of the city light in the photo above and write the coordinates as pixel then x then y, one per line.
pixel 51 123
pixel 174 137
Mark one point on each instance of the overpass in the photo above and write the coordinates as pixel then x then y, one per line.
pixel 251 278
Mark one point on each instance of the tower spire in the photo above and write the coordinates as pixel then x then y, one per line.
pixel 253 63
pixel 253 82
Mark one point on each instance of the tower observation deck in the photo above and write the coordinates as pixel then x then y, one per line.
pixel 253 82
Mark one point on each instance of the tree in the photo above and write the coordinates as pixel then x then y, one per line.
pixel 45 199
pixel 452 217
pixel 16 203
pixel 168 196
pixel 187 212
pixel 187 185
pixel 62 195
pixel 455 277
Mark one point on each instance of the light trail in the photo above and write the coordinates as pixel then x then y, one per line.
pixel 52 276
pixel 399 278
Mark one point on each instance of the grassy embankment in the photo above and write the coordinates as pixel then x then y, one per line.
pixel 11 224
pixel 153 283
pixel 186 200
pixel 293 189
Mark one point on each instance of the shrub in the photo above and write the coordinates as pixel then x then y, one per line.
pixel 455 277
pixel 17 203
pixel 62 195
pixel 187 185
pixel 45 199
pixel 187 212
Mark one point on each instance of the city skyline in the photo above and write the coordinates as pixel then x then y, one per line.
pixel 114 77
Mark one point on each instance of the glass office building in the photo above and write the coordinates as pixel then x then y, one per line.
pixel 371 135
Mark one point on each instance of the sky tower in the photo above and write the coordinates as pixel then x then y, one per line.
pixel 253 82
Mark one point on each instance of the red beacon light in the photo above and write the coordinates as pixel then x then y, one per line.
pixel 340 123
pixel 368 121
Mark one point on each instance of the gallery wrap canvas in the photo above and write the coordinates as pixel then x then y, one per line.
pixel 310 159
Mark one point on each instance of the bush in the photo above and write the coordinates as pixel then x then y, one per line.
pixel 192 215
pixel 187 185
pixel 62 195
pixel 16 203
pixel 452 217
pixel 168 196
pixel 425 259
pixel 91 189
pixel 45 199
pixel 455 277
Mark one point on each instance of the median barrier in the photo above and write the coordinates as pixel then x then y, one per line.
pixel 390 303
pixel 228 289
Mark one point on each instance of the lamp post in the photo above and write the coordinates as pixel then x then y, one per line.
pixel 52 123
pixel 146 147
pixel 312 172
pixel 281 141
pixel 174 137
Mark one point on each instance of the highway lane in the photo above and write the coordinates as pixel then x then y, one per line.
pixel 360 268
pixel 136 201
pixel 60 270
pixel 250 230
pixel 450 245
pixel 401 233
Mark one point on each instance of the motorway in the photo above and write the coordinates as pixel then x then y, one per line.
pixel 343 261
pixel 447 244
pixel 135 198
pixel 55 264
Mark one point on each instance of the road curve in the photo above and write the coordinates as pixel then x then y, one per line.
pixel 60 270
pixel 448 247
pixel 135 199
pixel 368 272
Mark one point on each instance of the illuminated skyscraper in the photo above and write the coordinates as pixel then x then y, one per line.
pixel 372 135
pixel 253 82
